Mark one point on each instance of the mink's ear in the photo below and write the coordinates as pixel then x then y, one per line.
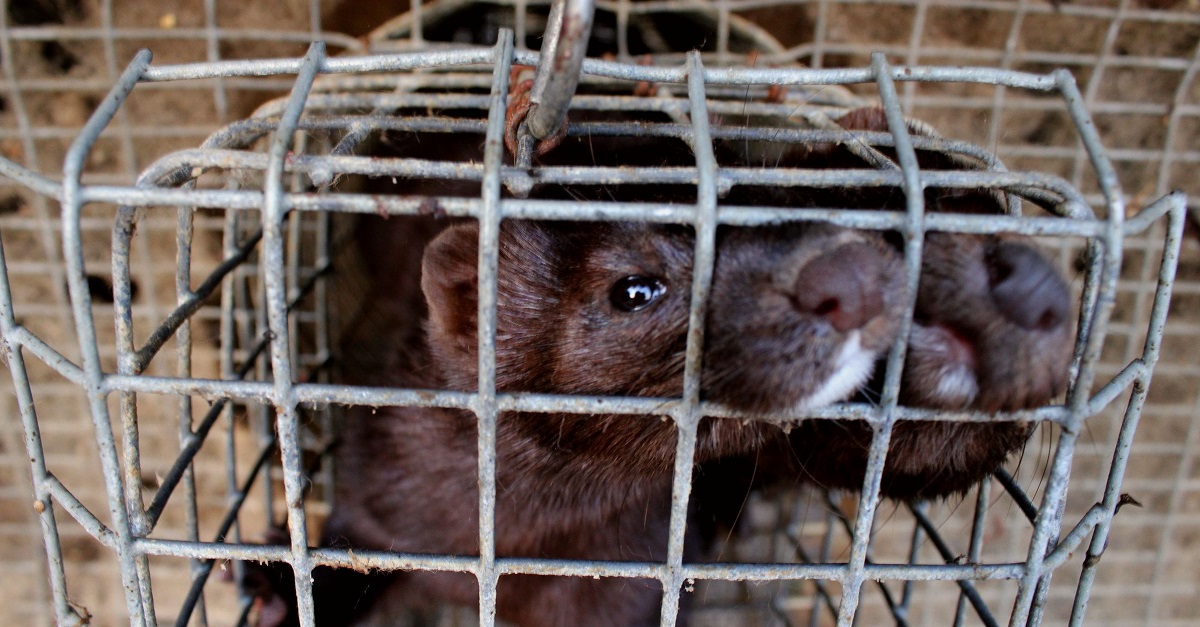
pixel 450 281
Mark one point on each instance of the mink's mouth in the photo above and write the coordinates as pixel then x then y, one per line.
pixel 942 366
pixel 853 365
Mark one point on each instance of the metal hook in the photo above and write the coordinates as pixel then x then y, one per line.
pixel 564 46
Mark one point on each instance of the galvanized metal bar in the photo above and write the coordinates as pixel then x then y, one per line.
pixel 271 67
pixel 1150 214
pixel 19 335
pixel 283 397
pixel 82 515
pixel 1069 542
pixel 128 403
pixel 770 572
pixel 1150 354
pixel 323 330
pixel 484 404
pixel 968 590
pixel 266 421
pixel 1179 483
pixel 899 73
pixel 914 233
pixel 358 126
pixel 29 179
pixel 317 393
pixel 1050 513
pixel 1094 79
pixel 212 51
pixel 723 54
pixel 228 523
pixel 913 55
pixel 122 235
pixel 1015 492
pixel 184 233
pixel 982 493
pixel 1061 192
pixel 1127 376
pixel 649 212
pixel 888 599
pixel 291 254
pixel 687 417
pixel 50 581
pixel 1089 297
pixel 1145 285
pixel 1068 202
pixel 914 553
pixel 191 446
pixel 1170 155
pixel 136 588
pixel 1112 238
pixel 227 339
pixel 820 30
pixel 63 612
pixel 831 515
pixel 189 302
pixel 384 560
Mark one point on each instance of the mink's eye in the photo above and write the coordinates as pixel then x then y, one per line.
pixel 634 293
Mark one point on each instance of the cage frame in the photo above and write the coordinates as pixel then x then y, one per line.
pixel 128 526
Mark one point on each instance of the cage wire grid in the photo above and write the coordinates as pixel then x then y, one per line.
pixel 1173 151
pixel 285 395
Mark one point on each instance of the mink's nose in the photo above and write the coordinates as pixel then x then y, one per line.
pixel 843 286
pixel 1027 289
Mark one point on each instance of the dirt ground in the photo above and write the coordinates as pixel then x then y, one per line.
pixel 1137 74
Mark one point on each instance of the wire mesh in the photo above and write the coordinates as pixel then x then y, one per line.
pixel 249 293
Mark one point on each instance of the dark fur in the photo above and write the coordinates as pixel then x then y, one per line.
pixel 570 487
pixel 597 487
pixel 575 487
pixel 1015 366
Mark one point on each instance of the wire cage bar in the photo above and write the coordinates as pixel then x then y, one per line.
pixel 283 196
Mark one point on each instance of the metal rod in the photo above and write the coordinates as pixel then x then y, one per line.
pixel 283 397
pixel 484 405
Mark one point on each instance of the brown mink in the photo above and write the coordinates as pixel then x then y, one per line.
pixel 991 332
pixel 798 316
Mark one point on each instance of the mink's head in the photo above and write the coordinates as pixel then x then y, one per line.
pixel 992 326
pixel 991 332
pixel 796 317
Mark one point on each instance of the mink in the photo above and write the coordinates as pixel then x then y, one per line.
pixel 797 317
pixel 991 332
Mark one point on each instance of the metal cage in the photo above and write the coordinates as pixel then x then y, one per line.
pixel 266 184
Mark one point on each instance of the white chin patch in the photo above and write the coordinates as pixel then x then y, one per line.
pixel 852 366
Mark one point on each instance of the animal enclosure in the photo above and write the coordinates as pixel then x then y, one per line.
pixel 197 207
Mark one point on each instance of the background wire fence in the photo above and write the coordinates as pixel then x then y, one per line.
pixel 1136 65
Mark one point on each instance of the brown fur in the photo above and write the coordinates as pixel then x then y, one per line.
pixel 1015 367
pixel 598 487
pixel 575 487
pixel 568 486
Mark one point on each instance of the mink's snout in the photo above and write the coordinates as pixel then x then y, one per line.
pixel 1026 288
pixel 798 315
pixel 843 286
